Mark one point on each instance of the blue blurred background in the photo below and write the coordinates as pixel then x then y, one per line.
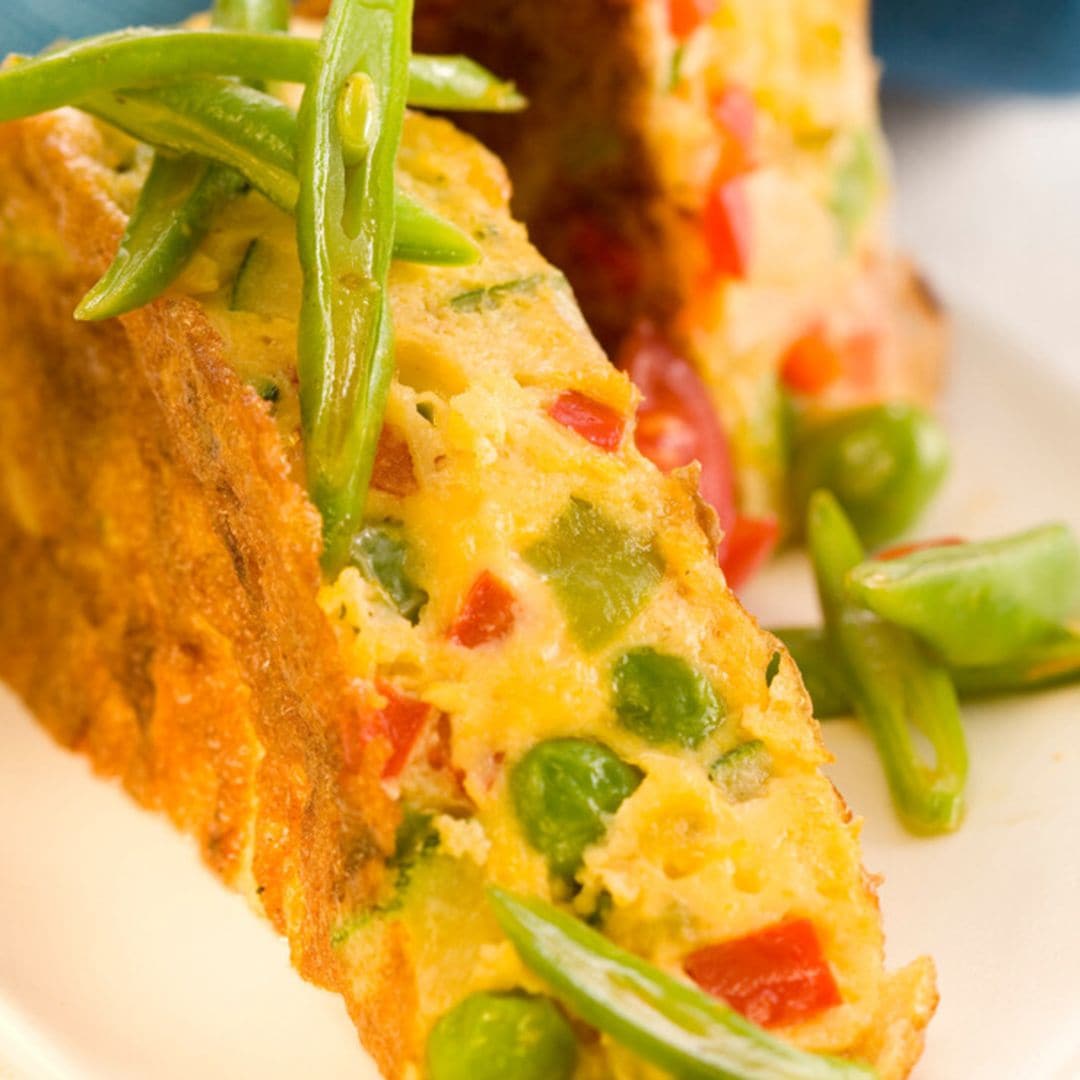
pixel 966 45
pixel 997 45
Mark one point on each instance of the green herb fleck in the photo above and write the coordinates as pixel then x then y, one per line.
pixel 491 296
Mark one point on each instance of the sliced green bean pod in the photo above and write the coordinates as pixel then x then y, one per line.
pixel 255 135
pixel 821 671
pixel 460 84
pixel 345 345
pixel 1054 663
pixel 978 604
pixel 177 203
pixel 252 14
pixel 667 1022
pixel 422 236
pixel 140 58
pixel 896 687
pixel 144 58
pixel 216 118
pixel 174 210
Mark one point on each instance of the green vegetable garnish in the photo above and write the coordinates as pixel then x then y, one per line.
pixel 178 201
pixel 600 572
pixel 345 349
pixel 174 210
pixel 1055 663
pixel 144 58
pixel 380 553
pixel 883 463
pixel 896 687
pixel 251 14
pixel 666 1021
pixel 508 1036
pixel 255 135
pixel 564 791
pixel 663 699
pixel 460 84
pixel 978 604
pixel 821 672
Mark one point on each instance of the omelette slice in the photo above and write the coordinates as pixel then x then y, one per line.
pixel 531 675
pixel 714 168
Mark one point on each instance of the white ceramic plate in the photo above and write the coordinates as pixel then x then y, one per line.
pixel 121 957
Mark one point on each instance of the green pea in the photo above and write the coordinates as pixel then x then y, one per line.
pixel 883 463
pixel 743 771
pixel 493 1036
pixel 663 699
pixel 563 791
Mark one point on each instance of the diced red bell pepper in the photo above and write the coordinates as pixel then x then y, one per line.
pixel 900 550
pixel 775 976
pixel 685 16
pixel 393 470
pixel 400 722
pixel 600 424
pixel 676 422
pixel 811 364
pixel 734 114
pixel 725 224
pixel 487 613
pixel 750 544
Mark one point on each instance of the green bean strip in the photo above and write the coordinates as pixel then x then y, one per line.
pixel 1056 663
pixel 666 1021
pixel 894 684
pixel 131 58
pixel 255 134
pixel 177 203
pixel 142 58
pixel 460 84
pixel 422 236
pixel 345 347
pixel 252 14
pixel 229 123
pixel 822 673
pixel 978 604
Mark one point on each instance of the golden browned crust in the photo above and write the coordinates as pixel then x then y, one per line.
pixel 157 610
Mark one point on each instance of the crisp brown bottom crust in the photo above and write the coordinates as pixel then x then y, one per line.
pixel 158 606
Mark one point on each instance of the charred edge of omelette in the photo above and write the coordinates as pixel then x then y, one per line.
pixel 159 612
